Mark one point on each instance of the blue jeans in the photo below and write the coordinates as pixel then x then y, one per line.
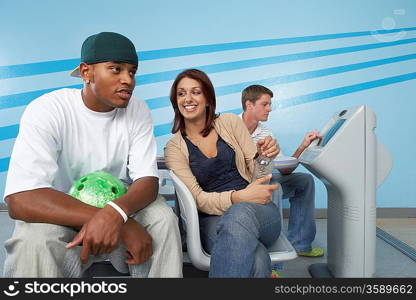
pixel 300 189
pixel 238 240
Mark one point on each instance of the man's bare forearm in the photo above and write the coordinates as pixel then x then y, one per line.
pixel 47 205
pixel 140 194
pixel 297 153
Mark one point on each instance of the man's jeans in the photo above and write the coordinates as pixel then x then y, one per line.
pixel 238 240
pixel 300 189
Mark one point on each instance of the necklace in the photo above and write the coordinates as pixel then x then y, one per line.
pixel 199 140
pixel 195 140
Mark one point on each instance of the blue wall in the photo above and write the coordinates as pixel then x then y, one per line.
pixel 317 56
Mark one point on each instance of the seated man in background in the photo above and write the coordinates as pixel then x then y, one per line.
pixel 68 133
pixel 298 187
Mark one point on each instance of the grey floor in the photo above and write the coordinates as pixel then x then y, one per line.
pixel 389 261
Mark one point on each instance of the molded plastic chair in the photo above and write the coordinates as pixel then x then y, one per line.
pixel 281 250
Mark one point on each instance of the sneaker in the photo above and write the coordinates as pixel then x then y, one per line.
pixel 315 252
pixel 276 274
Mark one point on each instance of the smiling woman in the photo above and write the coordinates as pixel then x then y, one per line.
pixel 191 100
pixel 203 90
pixel 213 156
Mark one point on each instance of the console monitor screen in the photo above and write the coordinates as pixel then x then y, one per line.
pixel 331 132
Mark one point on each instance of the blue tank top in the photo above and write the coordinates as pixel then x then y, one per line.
pixel 217 174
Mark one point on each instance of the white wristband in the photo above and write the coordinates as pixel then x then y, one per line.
pixel 119 210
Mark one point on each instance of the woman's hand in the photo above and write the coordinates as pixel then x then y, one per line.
pixel 268 147
pixel 256 192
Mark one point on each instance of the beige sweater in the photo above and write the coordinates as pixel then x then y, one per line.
pixel 233 131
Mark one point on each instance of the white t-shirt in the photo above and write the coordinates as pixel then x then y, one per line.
pixel 260 133
pixel 60 140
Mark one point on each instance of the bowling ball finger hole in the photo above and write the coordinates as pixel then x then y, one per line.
pixel 84 179
pixel 80 187
pixel 114 190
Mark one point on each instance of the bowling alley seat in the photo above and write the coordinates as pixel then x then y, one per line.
pixel 102 269
pixel 281 250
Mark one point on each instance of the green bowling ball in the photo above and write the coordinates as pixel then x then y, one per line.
pixel 97 188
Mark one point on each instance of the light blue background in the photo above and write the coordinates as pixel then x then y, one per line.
pixel 237 43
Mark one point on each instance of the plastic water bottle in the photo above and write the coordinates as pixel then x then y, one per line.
pixel 263 166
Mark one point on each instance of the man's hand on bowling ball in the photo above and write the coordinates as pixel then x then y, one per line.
pixel 101 234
